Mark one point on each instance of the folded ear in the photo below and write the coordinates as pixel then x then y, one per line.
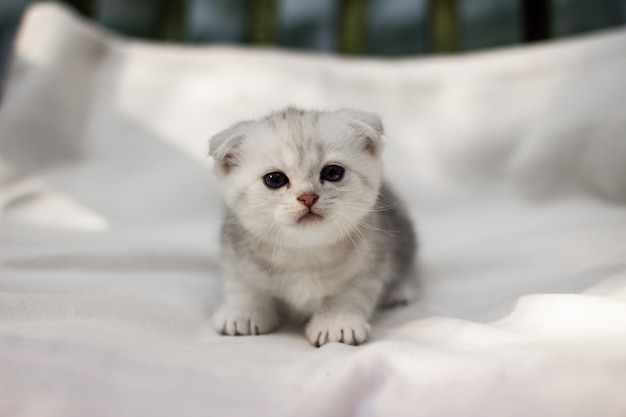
pixel 224 147
pixel 368 126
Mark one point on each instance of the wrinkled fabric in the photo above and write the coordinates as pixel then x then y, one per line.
pixel 512 162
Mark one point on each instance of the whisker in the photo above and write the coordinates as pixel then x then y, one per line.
pixel 392 233
pixel 355 228
pixel 364 207
pixel 279 239
pixel 343 230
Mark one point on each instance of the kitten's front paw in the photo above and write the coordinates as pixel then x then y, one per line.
pixel 234 321
pixel 350 329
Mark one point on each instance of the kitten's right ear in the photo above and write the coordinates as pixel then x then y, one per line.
pixel 224 147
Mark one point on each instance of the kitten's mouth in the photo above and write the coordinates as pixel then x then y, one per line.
pixel 309 217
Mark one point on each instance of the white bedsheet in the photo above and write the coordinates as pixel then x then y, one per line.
pixel 512 162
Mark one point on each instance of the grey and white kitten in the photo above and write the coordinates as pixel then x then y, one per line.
pixel 310 227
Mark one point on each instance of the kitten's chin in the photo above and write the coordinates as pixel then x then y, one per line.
pixel 309 218
pixel 311 230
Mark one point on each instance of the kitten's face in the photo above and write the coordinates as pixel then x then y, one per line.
pixel 301 178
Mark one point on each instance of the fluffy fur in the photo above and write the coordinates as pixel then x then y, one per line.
pixel 330 263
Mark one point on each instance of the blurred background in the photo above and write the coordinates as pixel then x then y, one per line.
pixel 390 28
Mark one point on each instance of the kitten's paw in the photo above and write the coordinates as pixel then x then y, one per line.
pixel 235 321
pixel 350 329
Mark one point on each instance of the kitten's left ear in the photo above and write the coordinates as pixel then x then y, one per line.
pixel 224 146
pixel 367 125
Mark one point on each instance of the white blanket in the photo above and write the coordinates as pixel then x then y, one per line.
pixel 512 162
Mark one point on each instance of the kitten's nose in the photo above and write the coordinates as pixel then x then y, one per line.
pixel 308 199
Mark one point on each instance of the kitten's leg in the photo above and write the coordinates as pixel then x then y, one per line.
pixel 344 317
pixel 246 312
pixel 400 293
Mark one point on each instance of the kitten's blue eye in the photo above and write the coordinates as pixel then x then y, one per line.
pixel 332 173
pixel 275 179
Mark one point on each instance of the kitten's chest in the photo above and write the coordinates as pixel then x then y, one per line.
pixel 304 278
pixel 315 264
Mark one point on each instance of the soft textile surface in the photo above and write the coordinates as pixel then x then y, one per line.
pixel 512 162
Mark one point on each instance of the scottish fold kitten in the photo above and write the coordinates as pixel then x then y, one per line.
pixel 310 229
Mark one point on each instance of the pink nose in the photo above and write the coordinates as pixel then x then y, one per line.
pixel 308 199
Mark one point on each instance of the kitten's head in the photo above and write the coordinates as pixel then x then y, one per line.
pixel 301 178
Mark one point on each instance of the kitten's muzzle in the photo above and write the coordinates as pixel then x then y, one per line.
pixel 308 199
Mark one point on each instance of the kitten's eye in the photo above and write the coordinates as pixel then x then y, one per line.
pixel 332 173
pixel 275 179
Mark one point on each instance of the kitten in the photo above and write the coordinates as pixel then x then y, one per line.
pixel 310 228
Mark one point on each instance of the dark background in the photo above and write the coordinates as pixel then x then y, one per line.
pixel 391 28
